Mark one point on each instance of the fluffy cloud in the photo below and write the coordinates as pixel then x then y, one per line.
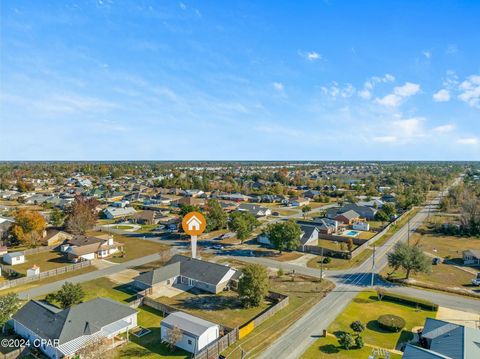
pixel 369 85
pixel 335 90
pixel 399 93
pixel 310 55
pixel 444 128
pixel 470 91
pixel 468 141
pixel 279 86
pixel 427 54
pixel 441 96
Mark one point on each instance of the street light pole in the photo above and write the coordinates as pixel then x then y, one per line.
pixel 321 265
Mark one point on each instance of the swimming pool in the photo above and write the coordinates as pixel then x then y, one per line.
pixel 351 233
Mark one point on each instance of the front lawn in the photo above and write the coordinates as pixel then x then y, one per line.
pixel 149 346
pixel 367 308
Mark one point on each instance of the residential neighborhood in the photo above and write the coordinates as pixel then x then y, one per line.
pixel 239 179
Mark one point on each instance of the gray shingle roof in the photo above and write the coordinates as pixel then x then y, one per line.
pixel 203 271
pixel 68 324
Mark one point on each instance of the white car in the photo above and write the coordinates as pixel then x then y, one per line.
pixel 476 281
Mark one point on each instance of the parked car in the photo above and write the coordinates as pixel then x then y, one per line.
pixel 217 247
pixel 436 261
pixel 476 281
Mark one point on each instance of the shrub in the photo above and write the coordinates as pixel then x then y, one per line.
pixel 390 322
pixel 346 341
pixel 359 343
pixel 327 260
pixel 357 326
pixel 398 298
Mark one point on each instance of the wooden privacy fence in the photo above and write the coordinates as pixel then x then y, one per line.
pixel 214 349
pixel 54 272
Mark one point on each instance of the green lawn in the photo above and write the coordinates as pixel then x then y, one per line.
pixel 133 247
pixel 45 260
pixel 328 348
pixel 366 308
pixel 149 346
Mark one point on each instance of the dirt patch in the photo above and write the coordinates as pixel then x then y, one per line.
pixel 125 276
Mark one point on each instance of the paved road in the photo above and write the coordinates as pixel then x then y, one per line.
pixel 301 335
pixel 51 287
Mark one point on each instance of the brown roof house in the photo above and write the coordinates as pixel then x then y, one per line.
pixel 146 217
pixel 87 248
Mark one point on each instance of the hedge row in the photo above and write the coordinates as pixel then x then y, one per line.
pixel 414 302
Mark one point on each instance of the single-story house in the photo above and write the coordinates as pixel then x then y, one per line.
pixel 255 209
pixel 309 236
pixel 146 217
pixel 6 224
pixel 14 258
pixel 65 331
pixel 471 257
pixel 190 201
pixel 195 273
pixel 87 248
pixel 118 212
pixel 441 339
pixel 197 332
pixel 364 211
pixel 347 217
pixel 299 201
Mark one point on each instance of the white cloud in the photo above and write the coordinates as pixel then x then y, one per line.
pixel 369 85
pixel 444 128
pixel 468 141
pixel 365 94
pixel 470 91
pixel 386 139
pixel 399 93
pixel 335 90
pixel 441 96
pixel 427 54
pixel 391 100
pixel 409 89
pixel 310 55
pixel 182 6
pixel 279 86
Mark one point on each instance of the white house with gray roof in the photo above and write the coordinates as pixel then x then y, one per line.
pixel 197 333
pixel 65 331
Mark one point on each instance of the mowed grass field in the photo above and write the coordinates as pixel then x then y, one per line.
pixel 133 247
pixel 367 308
pixel 337 263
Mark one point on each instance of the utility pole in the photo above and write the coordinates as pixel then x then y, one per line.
pixel 408 232
pixel 321 265
pixel 373 267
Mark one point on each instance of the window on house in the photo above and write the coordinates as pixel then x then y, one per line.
pixel 189 342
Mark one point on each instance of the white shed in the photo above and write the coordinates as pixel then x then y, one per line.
pixel 197 333
pixel 34 271
pixel 14 258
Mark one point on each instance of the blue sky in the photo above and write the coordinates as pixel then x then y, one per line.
pixel 306 80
